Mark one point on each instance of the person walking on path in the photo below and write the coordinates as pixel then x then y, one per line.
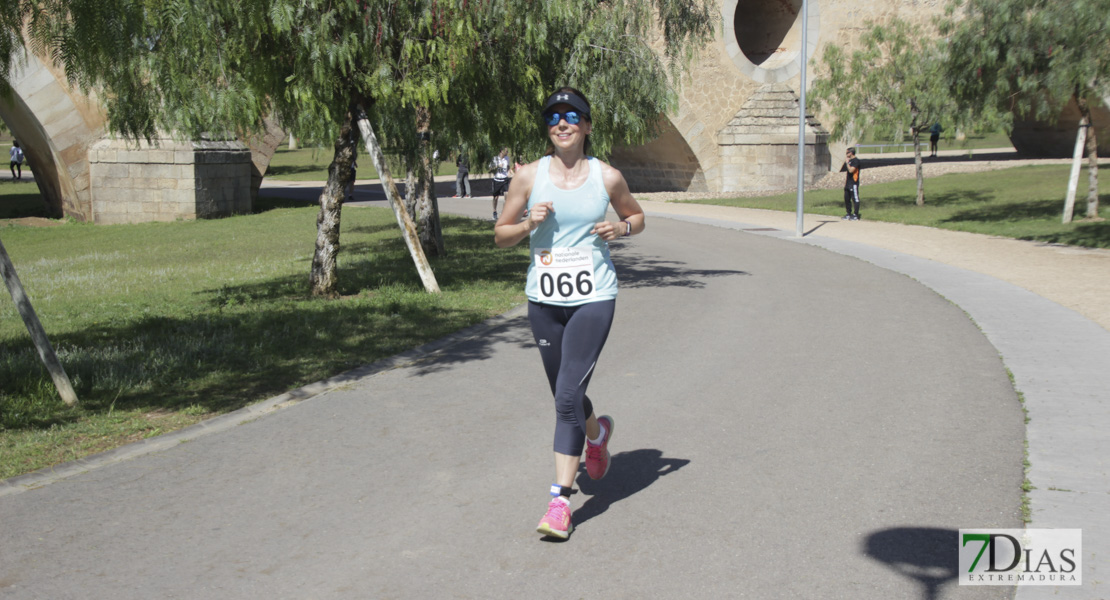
pixel 501 166
pixel 851 187
pixel 934 138
pixel 17 161
pixel 571 284
pixel 463 178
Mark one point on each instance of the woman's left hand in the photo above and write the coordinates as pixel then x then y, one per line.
pixel 608 230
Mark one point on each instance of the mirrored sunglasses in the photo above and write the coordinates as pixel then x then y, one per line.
pixel 552 118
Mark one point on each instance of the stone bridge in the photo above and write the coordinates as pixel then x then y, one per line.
pixel 735 127
pixel 84 173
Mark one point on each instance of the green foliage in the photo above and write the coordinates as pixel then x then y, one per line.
pixel 1031 57
pixel 480 66
pixel 1027 56
pixel 894 83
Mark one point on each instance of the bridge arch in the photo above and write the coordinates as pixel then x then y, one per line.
pixel 55 125
pixel 764 37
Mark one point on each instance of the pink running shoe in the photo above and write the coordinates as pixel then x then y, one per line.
pixel 556 523
pixel 597 457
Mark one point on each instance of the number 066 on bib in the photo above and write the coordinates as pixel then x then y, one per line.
pixel 565 274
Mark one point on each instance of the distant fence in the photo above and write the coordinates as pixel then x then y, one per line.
pixel 901 147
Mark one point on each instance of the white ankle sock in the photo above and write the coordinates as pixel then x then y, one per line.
pixel 600 435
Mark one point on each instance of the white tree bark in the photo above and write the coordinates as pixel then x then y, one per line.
pixel 1073 179
pixel 408 229
pixel 34 327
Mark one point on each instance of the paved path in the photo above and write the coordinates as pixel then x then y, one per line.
pixel 793 423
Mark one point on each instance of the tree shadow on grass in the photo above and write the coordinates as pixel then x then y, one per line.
pixel 1090 234
pixel 267 203
pixel 18 206
pixel 225 359
pixel 941 199
pixel 1012 211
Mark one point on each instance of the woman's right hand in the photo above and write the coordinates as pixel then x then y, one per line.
pixel 538 214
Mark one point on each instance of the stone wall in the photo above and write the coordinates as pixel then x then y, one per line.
pixel 665 164
pixel 759 145
pixel 759 44
pixel 168 180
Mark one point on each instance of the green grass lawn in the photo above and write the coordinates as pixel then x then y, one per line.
pixel 1024 203
pixel 161 325
pixel 311 164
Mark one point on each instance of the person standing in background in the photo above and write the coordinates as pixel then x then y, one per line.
pixel 17 160
pixel 851 186
pixel 934 138
pixel 463 177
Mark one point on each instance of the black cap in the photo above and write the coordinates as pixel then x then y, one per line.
pixel 570 98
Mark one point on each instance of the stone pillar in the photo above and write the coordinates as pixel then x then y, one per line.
pixel 759 146
pixel 168 180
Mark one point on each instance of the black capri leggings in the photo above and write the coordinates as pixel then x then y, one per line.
pixel 570 339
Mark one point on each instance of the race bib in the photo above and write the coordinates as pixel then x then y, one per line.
pixel 565 274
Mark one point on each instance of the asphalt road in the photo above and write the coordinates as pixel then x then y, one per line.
pixel 791 423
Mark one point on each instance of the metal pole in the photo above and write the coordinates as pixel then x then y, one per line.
pixel 802 119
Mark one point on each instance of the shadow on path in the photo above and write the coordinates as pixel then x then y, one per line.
pixel 878 160
pixel 924 554
pixel 637 270
pixel 819 225
pixel 630 473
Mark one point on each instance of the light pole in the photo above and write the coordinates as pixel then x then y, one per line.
pixel 802 120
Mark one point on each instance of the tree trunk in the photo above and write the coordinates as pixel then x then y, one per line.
pixel 323 281
pixel 918 166
pixel 413 190
pixel 431 233
pixel 34 327
pixel 408 230
pixel 1092 169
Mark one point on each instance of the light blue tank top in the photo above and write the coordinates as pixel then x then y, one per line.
pixel 575 214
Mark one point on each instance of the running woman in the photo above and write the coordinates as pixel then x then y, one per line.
pixel 571 285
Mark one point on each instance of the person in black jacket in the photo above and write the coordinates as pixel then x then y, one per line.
pixel 463 177
pixel 851 187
